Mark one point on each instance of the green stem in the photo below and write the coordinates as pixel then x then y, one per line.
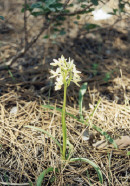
pixel 63 123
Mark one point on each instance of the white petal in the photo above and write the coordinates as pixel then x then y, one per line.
pixel 59 83
pixel 75 71
pixel 57 87
pixel 56 62
pixel 59 79
pixel 55 73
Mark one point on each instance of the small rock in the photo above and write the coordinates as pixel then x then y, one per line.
pixel 100 15
pixel 108 52
pixel 14 110
pixel 85 135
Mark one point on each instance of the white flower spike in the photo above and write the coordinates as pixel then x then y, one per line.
pixel 65 73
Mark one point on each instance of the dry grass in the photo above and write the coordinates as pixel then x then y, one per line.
pixel 25 153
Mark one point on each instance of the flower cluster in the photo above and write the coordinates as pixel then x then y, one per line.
pixel 65 72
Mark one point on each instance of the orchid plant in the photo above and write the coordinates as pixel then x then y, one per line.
pixel 66 73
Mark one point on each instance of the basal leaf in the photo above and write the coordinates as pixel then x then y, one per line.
pixel 107 136
pixel 82 91
pixel 92 164
pixel 45 132
pixel 43 174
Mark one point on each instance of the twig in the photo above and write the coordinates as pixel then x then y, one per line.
pixel 25 24
pixel 15 184
pixel 78 11
pixel 24 50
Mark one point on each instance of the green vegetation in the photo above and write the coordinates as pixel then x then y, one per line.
pixel 65 73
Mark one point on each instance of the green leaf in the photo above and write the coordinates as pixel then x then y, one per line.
pixel 62 32
pixel 128 153
pixel 78 17
pixel 82 91
pixel 53 5
pixel 90 26
pixel 35 14
pixel 86 11
pixel 95 2
pixel 88 176
pixel 58 6
pixel 60 110
pixel 121 6
pixel 92 164
pixel 114 12
pixel 46 37
pixel 42 130
pixel 71 5
pixel 95 69
pixel 83 6
pixel 66 11
pixel 76 22
pixel 27 8
pixel 49 2
pixel 107 76
pixel 107 136
pixel 11 75
pixel 36 5
pixel 58 24
pixel 61 18
pixel 43 174
pixel 81 1
pixel 1 17
pixel 22 10
pixel 52 9
pixel 55 29
pixel 94 66
pixel 89 10
pixel 71 149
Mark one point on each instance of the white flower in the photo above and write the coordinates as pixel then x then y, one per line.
pixel 58 83
pixel 75 71
pixel 56 62
pixel 76 79
pixel 59 62
pixel 71 63
pixel 65 73
pixel 55 73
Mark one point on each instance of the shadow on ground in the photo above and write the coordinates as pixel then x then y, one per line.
pixel 102 56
